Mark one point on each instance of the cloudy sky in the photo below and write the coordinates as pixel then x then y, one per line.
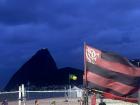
pixel 63 26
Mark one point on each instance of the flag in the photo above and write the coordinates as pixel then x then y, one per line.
pixel 110 73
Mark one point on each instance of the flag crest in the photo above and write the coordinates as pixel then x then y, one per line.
pixel 92 54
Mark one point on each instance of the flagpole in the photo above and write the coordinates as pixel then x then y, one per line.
pixel 85 76
pixel 85 70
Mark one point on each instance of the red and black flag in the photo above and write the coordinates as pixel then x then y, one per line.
pixel 109 72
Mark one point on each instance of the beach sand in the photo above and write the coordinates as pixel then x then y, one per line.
pixel 58 101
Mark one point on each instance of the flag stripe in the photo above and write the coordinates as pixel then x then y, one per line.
pixel 118 67
pixel 109 83
pixel 115 58
pixel 115 97
pixel 128 80
pixel 100 88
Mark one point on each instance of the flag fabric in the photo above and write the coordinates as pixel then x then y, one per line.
pixel 111 73
pixel 115 97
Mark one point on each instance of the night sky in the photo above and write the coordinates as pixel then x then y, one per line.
pixel 63 26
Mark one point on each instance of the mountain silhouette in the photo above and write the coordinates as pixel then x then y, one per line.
pixel 41 71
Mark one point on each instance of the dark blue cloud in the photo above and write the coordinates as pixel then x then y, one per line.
pixel 63 26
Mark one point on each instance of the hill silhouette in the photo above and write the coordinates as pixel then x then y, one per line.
pixel 41 70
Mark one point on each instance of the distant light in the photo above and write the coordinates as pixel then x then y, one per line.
pixel 73 77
